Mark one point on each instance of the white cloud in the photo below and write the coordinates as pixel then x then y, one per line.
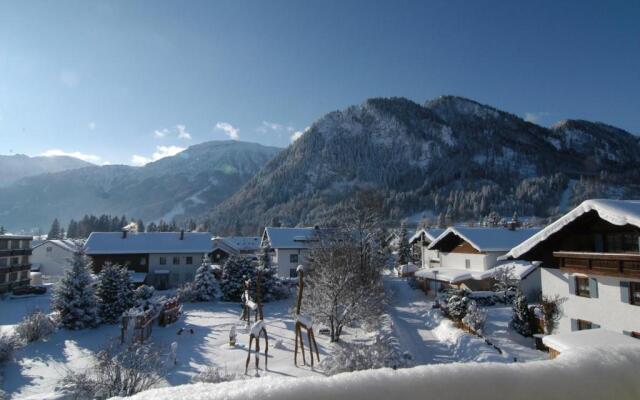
pixel 267 126
pixel 91 125
pixel 535 117
pixel 76 154
pixel 298 134
pixel 160 133
pixel 182 132
pixel 161 152
pixel 228 130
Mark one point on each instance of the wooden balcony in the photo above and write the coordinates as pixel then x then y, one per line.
pixel 610 264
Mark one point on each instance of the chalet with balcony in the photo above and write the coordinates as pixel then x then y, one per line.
pixel 161 259
pixel 15 263
pixel 466 257
pixel 591 256
pixel 290 247
pixel 242 246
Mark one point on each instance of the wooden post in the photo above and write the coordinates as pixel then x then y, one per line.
pixel 300 288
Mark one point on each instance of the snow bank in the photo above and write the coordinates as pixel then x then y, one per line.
pixel 593 374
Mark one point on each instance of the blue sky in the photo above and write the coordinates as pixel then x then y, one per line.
pixel 130 81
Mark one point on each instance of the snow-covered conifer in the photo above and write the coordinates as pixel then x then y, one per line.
pixel 272 286
pixel 457 307
pixel 205 282
pixel 74 297
pixel 404 249
pixel 234 273
pixel 475 317
pixel 113 292
pixel 521 319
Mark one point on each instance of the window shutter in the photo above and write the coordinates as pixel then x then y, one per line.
pixel 593 288
pixel 574 324
pixel 624 292
pixel 572 284
pixel 626 333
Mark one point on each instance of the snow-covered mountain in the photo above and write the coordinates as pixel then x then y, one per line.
pixel 186 184
pixel 451 155
pixel 20 166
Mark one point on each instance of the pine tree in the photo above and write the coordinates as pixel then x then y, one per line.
pixel 54 232
pixel 272 286
pixel 113 292
pixel 234 272
pixel 205 282
pixel 404 250
pixel 522 315
pixel 2 231
pixel 140 225
pixel 72 230
pixel 73 296
pixel 152 227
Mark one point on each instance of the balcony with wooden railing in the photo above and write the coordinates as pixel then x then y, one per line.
pixel 610 264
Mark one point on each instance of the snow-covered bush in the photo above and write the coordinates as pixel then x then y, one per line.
pixel 205 282
pixel 457 307
pixel 114 293
pixel 234 273
pixel 143 295
pixel 551 308
pixel 7 346
pixel 187 293
pixel 216 375
pixel 522 315
pixel 118 371
pixel 35 326
pixel 273 288
pixel 475 317
pixel 74 297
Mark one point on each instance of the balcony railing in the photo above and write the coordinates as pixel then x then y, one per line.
pixel 614 264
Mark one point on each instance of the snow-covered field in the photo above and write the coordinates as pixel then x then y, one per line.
pixel 36 368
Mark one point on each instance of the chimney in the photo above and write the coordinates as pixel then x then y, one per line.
pixel 182 234
pixel 124 233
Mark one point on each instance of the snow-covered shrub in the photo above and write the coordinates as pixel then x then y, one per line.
pixel 216 375
pixel 551 308
pixel 384 352
pixel 522 315
pixel 118 371
pixel 35 326
pixel 114 293
pixel 187 293
pixel 143 295
pixel 7 346
pixel 273 288
pixel 74 297
pixel 234 273
pixel 204 282
pixel 457 307
pixel 475 317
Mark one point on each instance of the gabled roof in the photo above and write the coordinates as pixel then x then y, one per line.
pixel 242 242
pixel 147 242
pixel 65 244
pixel 290 238
pixel 430 234
pixel 488 239
pixel 617 212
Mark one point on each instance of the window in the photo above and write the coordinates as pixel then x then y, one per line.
pixel 467 264
pixel 49 249
pixel 582 286
pixel 634 293
pixel 143 261
pixel 163 260
pixel 13 277
pixel 176 260
pixel 3 262
pixel 3 278
pixel 4 244
pixel 583 325
pixel 293 258
pixel 635 335
pixel 293 273
pixel 15 261
pixel 189 261
pixel 25 274
pixel 622 242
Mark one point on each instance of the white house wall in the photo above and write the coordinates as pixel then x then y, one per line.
pixel 282 259
pixel 51 263
pixel 478 262
pixel 178 273
pixel 607 310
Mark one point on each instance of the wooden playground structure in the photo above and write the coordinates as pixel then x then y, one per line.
pixel 303 322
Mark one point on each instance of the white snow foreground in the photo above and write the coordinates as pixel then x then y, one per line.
pixel 589 374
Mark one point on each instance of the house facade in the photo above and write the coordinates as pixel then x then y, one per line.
pixel 591 257
pixel 290 247
pixel 466 256
pixel 15 262
pixel 51 257
pixel 160 259
pixel 420 242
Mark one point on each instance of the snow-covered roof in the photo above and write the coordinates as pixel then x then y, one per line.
pixel 290 238
pixel 137 277
pixel 588 339
pixel 407 268
pixel 617 212
pixel 240 243
pixel 520 269
pixel 147 242
pixel 488 239
pixel 66 244
pixel 431 234
pixel 453 275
